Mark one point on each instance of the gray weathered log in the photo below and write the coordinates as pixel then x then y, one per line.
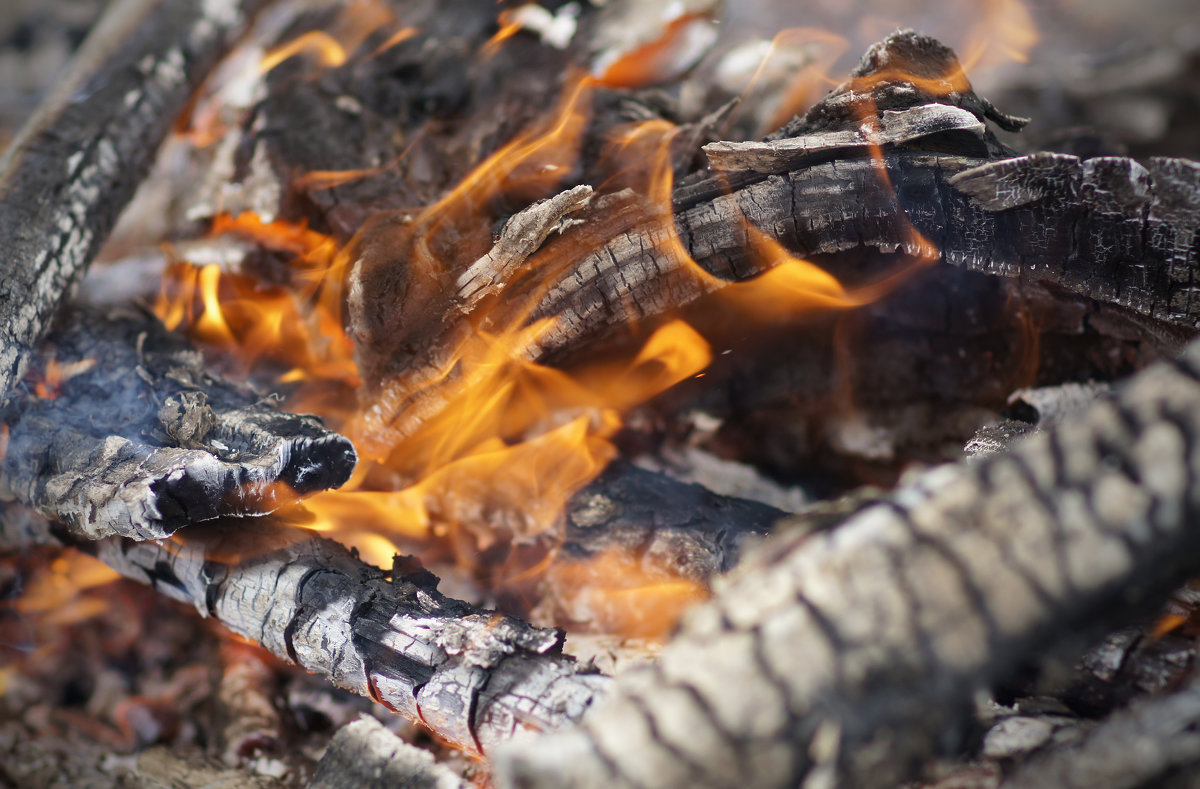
pixel 127 433
pixel 848 655
pixel 475 677
pixel 69 173
pixel 365 755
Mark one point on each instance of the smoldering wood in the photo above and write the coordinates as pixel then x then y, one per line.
pixel 928 183
pixel 1142 745
pixel 904 611
pixel 68 174
pixel 124 431
pixel 681 528
pixel 474 677
pixel 1030 410
pixel 365 755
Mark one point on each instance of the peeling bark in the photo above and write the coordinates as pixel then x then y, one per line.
pixel 125 432
pixel 69 173
pixel 849 655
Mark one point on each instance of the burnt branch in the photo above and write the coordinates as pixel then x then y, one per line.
pixel 121 430
pixel 849 654
pixel 69 173
pixel 475 677
pixel 881 165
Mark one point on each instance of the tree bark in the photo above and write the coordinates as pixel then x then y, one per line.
pixel 848 655
pixel 125 432
pixel 474 677
pixel 69 173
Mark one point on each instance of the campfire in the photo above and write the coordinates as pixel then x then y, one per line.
pixel 613 394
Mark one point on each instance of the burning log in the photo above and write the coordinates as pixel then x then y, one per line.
pixel 903 612
pixel 684 529
pixel 473 676
pixel 67 176
pixel 898 160
pixel 124 432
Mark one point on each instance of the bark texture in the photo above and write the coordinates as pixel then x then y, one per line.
pixel 475 677
pixel 69 173
pixel 123 431
pixel 846 656
pixel 883 164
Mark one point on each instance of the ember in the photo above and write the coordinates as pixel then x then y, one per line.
pixel 608 320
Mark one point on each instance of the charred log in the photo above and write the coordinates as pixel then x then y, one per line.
pixel 121 430
pixel 474 677
pixel 74 167
pixel 1150 743
pixel 905 610
pixel 882 165
pixel 684 529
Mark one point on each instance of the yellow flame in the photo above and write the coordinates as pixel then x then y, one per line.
pixel 319 45
pixel 615 593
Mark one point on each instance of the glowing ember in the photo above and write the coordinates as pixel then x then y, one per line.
pixel 615 593
pixel 47 383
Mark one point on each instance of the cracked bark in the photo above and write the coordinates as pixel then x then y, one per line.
pixel 881 164
pixel 473 676
pixel 125 432
pixel 851 654
pixel 69 173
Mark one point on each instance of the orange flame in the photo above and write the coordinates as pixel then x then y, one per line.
pixel 665 58
pixel 58 596
pixel 615 593
pixel 48 384
pixel 321 46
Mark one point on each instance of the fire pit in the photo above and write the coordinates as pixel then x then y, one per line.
pixel 587 388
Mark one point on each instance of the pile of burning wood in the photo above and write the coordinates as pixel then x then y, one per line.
pixel 539 268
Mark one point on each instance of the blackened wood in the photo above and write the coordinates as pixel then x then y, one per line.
pixel 473 676
pixel 846 656
pixel 121 430
pixel 69 173
pixel 882 165
pixel 684 529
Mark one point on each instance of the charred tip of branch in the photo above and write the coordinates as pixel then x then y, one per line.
pixel 123 431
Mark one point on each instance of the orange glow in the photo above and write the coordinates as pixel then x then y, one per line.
pixel 403 34
pixel 356 21
pixel 300 326
pixel 661 60
pixel 1005 32
pixel 811 81
pixel 48 385
pixel 616 593
pixel 320 46
pixel 507 30
pixel 59 595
